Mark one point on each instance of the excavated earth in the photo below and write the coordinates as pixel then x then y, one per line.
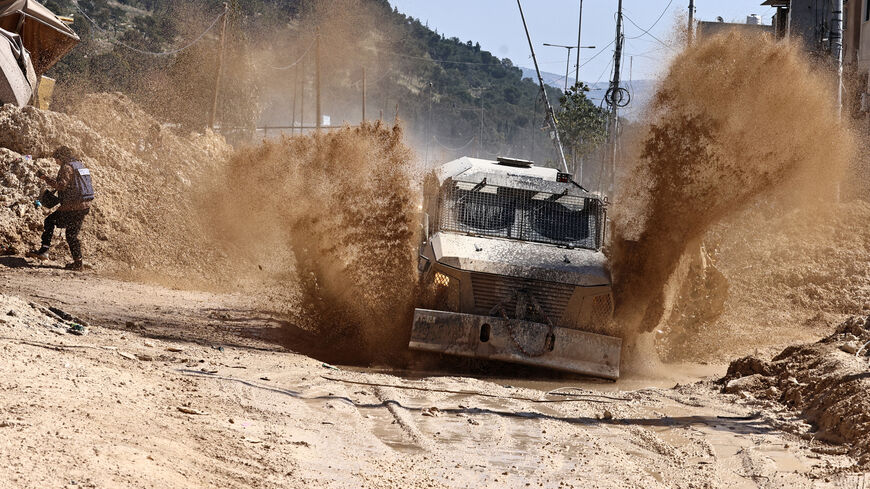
pixel 825 382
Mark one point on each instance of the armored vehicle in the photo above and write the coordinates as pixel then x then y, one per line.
pixel 512 253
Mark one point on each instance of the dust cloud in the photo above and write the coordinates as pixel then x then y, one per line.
pixel 340 206
pixel 736 118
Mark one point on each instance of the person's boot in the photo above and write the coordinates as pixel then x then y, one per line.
pixel 40 254
pixel 76 266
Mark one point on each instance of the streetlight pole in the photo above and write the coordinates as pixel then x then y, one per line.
pixel 579 30
pixel 568 62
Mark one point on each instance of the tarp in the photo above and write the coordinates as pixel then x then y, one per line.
pixel 18 79
pixel 46 37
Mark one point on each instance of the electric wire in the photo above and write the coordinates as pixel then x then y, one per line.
pixel 578 397
pixel 433 60
pixel 654 23
pixel 291 65
pixel 151 53
pixel 439 143
pixel 647 33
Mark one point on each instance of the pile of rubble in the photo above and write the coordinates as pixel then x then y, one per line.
pixel 826 382
pixel 145 218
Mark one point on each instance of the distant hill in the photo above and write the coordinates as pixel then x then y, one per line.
pixel 454 96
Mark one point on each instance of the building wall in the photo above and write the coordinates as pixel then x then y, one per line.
pixel 854 11
pixel 809 20
pixel 863 55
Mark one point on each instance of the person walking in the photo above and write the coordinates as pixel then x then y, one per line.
pixel 75 190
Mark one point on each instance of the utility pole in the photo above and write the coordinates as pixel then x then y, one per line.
pixel 691 31
pixel 615 97
pixel 837 48
pixel 837 51
pixel 550 113
pixel 428 123
pixel 302 99
pixel 364 95
pixel 220 68
pixel 317 78
pixel 295 91
pixel 480 133
pixel 579 30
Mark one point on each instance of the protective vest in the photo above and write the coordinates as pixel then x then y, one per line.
pixel 81 188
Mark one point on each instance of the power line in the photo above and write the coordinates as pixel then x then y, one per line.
pixel 432 60
pixel 150 53
pixel 646 33
pixel 654 23
pixel 291 65
pixel 598 53
pixel 439 143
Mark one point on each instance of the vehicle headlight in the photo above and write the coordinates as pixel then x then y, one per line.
pixel 442 280
pixel 447 292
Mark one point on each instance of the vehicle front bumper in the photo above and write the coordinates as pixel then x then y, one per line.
pixel 460 334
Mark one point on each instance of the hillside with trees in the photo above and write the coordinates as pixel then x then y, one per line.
pixel 453 95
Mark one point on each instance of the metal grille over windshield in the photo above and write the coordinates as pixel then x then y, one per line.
pixel 525 215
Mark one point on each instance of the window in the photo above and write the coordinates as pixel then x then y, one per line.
pixel 866 10
pixel 526 215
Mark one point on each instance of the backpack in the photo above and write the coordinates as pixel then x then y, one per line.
pixel 81 189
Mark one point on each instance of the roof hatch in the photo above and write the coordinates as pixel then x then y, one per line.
pixel 514 162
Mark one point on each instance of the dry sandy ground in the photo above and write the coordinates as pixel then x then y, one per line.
pixel 188 389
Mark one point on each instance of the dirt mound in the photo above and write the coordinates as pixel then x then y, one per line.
pixel 827 382
pixel 707 157
pixel 143 221
pixel 790 272
pixel 18 313
pixel 340 206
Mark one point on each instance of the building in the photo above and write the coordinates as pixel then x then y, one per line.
pixel 811 21
pixel 752 25
pixel 856 40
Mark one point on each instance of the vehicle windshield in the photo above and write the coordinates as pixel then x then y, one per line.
pixel 525 215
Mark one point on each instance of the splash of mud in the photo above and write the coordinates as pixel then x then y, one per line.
pixel 341 206
pixel 737 117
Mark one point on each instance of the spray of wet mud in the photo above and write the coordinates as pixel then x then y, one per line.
pixel 339 210
pixel 736 118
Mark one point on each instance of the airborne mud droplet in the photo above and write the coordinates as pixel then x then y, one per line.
pixel 736 118
pixel 341 206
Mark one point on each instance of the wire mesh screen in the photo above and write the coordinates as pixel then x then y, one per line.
pixel 525 215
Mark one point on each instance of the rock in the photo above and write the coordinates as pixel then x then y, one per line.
pixel 128 356
pixel 748 365
pixel 856 325
pixel 748 384
pixel 607 414
pixel 187 410
pixel 850 348
pixel 431 411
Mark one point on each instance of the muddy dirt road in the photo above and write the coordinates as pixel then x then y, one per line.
pixel 188 389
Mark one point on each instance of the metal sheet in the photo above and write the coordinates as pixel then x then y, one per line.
pixel 460 334
pixel 533 261
pixel 17 79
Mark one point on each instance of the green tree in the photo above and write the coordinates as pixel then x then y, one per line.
pixel 582 125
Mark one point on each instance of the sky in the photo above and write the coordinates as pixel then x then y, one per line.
pixel 497 26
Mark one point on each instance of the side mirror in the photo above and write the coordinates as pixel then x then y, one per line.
pixel 422 264
pixel 425 227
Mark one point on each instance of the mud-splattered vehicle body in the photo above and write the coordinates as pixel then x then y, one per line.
pixel 512 256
